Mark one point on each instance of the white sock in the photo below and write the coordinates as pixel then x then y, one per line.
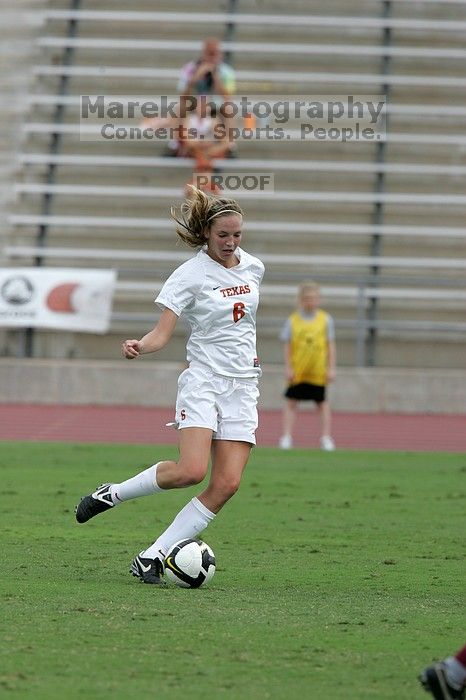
pixel 189 522
pixel 143 484
pixel 456 672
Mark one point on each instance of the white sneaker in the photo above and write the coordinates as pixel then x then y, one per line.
pixel 326 443
pixel 285 442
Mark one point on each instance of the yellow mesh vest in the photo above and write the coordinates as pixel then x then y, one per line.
pixel 309 348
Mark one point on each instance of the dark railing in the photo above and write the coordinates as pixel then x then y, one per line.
pixel 54 148
pixel 230 29
pixel 378 213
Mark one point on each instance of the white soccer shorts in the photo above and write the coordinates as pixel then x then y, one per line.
pixel 225 405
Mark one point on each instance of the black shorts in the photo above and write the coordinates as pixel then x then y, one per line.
pixel 306 392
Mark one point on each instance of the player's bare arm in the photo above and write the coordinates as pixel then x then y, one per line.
pixel 155 340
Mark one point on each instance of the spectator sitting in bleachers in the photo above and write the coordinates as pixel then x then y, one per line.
pixel 208 75
pixel 210 78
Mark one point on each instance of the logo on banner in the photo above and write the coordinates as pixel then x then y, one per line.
pixel 62 298
pixel 17 290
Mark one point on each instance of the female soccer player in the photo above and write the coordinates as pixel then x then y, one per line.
pixel 217 291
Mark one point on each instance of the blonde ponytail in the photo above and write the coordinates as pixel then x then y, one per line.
pixel 197 213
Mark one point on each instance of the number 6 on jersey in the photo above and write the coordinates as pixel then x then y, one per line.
pixel 238 311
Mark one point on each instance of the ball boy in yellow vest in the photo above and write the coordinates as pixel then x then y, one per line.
pixel 310 358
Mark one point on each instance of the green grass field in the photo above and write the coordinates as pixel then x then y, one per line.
pixel 339 576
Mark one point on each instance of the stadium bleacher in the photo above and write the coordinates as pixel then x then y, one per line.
pixel 380 225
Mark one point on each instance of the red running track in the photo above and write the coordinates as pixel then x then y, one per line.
pixel 443 433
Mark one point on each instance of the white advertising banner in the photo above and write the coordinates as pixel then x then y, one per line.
pixel 63 298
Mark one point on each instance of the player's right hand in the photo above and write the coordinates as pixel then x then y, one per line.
pixel 131 349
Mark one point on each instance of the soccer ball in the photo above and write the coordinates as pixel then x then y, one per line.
pixel 189 563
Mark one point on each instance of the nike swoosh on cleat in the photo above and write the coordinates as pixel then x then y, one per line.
pixel 144 568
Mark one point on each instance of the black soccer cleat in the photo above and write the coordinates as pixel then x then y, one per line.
pixel 148 570
pixel 434 680
pixel 94 503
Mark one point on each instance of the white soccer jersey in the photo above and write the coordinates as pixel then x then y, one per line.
pixel 220 306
